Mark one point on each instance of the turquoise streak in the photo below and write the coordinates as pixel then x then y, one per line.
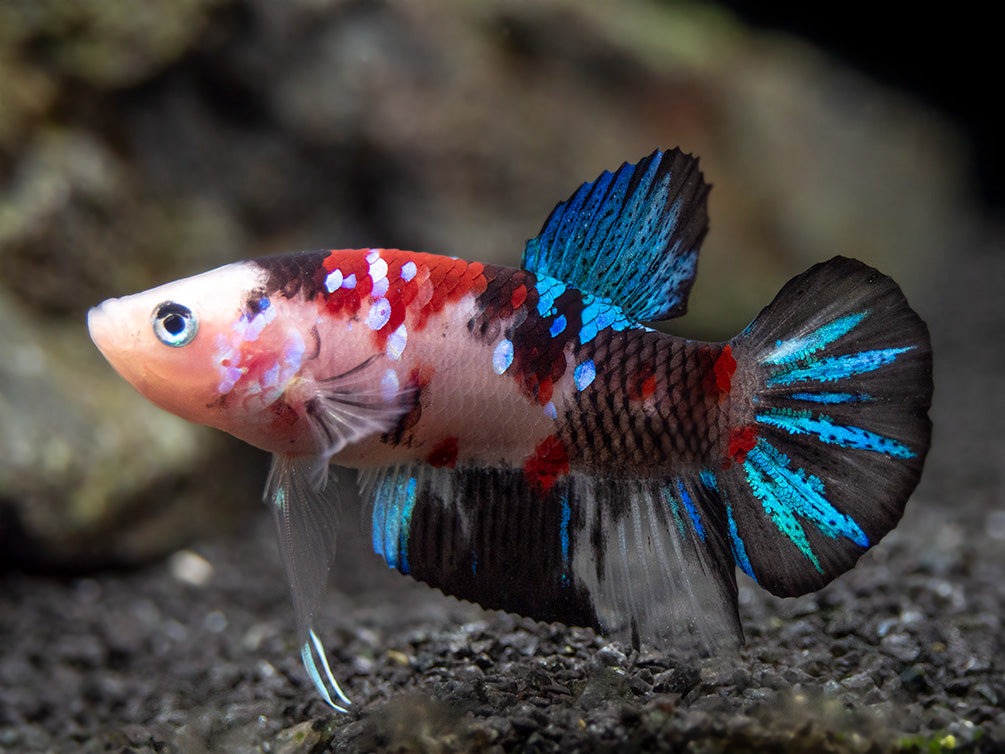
pixel 394 502
pixel 787 493
pixel 564 535
pixel 737 546
pixel 832 398
pixel 692 511
pixel 824 428
pixel 799 348
pixel 837 367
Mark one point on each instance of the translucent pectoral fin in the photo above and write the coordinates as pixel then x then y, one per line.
pixel 306 520
pixel 358 403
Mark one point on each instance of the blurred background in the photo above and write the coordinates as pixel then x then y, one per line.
pixel 142 142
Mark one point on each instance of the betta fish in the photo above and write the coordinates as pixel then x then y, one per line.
pixel 524 441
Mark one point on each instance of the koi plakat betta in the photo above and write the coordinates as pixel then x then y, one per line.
pixel 525 442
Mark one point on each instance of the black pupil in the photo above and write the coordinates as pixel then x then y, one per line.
pixel 174 323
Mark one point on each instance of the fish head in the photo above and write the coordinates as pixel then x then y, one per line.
pixel 212 348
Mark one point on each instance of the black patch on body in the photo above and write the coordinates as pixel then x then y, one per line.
pixel 401 433
pixel 302 273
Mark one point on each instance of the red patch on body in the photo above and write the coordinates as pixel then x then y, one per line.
pixel 518 297
pixel 444 454
pixel 741 441
pixel 642 384
pixel 545 389
pixel 548 462
pixel 719 382
pixel 436 282
pixel 284 417
pixel 350 262
pixel 421 374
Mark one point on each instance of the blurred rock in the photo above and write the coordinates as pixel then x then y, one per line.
pixel 104 45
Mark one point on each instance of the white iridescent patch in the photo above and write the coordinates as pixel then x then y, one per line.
pixel 380 313
pixel 228 356
pixel 270 378
pixel 389 385
pixel 396 343
pixel 502 357
pixel 334 281
pixel 273 377
pixel 378 267
pixel 293 356
pixel 229 377
pixel 549 410
pixel 408 270
pixel 585 374
pixel 249 328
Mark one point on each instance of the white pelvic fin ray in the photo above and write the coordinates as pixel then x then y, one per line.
pixel 306 522
pixel 307 656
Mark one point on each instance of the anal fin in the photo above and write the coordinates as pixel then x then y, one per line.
pixel 636 559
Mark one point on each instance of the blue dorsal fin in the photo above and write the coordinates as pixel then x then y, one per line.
pixel 631 237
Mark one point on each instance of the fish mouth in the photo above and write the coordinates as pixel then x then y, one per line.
pixel 107 326
pixel 99 325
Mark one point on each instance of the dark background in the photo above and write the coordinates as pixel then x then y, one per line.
pixel 950 59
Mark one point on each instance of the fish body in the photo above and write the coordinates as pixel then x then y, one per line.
pixel 525 442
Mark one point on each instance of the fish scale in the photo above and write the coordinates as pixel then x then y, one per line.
pixel 678 432
pixel 524 442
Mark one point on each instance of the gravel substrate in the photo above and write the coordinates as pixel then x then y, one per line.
pixel 903 652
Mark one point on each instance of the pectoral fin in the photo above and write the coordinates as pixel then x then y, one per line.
pixel 358 403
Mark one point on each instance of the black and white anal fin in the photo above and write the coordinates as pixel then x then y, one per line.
pixel 630 237
pixel 642 561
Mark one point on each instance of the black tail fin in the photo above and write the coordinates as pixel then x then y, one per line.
pixel 832 435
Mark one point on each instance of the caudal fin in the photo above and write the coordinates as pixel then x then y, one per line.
pixel 831 437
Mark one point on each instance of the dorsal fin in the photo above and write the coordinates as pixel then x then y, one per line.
pixel 631 237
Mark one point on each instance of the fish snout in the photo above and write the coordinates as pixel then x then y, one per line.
pixel 99 325
pixel 112 327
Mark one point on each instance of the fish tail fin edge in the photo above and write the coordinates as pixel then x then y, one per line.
pixel 830 426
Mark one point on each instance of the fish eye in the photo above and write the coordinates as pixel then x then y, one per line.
pixel 174 325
